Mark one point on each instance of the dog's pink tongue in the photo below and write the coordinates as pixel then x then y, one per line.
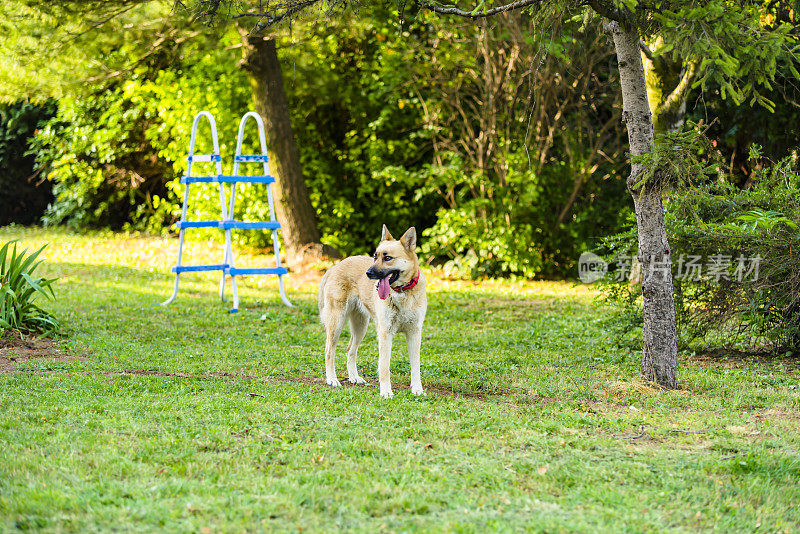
pixel 383 288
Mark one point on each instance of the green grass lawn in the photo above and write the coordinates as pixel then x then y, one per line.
pixel 187 418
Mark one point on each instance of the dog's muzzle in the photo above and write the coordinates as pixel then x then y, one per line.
pixel 385 279
pixel 380 274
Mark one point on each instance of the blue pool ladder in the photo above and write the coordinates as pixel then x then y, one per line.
pixel 228 223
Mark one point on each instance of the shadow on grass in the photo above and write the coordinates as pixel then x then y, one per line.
pixel 729 358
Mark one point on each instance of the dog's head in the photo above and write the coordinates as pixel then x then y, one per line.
pixel 396 262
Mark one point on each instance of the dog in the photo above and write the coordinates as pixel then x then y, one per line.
pixel 397 303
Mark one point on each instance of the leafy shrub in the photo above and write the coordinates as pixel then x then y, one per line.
pixel 19 288
pixel 481 237
pixel 746 242
pixel 24 194
pixel 105 172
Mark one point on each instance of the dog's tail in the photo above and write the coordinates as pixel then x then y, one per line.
pixel 321 294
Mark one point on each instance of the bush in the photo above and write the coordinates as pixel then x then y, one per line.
pixel 19 289
pixel 746 242
pixel 104 169
pixel 24 193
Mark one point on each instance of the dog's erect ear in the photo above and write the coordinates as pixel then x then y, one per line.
pixel 386 235
pixel 409 239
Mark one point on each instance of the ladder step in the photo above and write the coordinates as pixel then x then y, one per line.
pixel 200 179
pixel 260 179
pixel 197 224
pixel 204 158
pixel 233 271
pixel 195 268
pixel 248 225
pixel 250 158
pixel 228 225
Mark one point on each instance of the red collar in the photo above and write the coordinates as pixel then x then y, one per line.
pixel 414 281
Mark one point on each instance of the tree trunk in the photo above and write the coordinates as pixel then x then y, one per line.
pixel 660 347
pixel 292 202
pixel 668 85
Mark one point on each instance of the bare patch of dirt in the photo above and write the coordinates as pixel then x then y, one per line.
pixel 17 350
pixel 615 389
pixel 732 358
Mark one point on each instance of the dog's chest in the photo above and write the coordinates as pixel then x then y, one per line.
pixel 400 312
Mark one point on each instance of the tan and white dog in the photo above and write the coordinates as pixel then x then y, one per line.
pixel 397 303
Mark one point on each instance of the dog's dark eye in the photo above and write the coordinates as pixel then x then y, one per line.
pixel 387 258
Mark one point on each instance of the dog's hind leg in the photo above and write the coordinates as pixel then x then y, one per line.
pixel 358 328
pixel 334 322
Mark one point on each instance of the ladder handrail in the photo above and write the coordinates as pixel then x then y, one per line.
pixel 218 164
pixel 228 257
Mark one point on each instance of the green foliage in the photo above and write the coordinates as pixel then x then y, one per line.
pixel 747 241
pixel 356 119
pixel 448 145
pixel 480 237
pixel 517 199
pixel 739 128
pixel 24 194
pixel 364 113
pixel 19 289
pixel 126 174
pixel 737 48
pixel 382 139
pixel 343 136
pixel 677 159
pixel 50 49
pixel 103 177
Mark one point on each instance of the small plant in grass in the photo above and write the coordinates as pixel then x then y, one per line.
pixel 19 289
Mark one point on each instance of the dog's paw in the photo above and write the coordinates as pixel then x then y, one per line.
pixel 417 390
pixel 333 382
pixel 387 394
pixel 357 380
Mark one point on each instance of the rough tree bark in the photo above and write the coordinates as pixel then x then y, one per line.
pixel 298 220
pixel 660 347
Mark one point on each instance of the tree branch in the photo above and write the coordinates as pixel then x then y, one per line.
pixel 274 15
pixel 278 12
pixel 475 14
pixel 678 95
pixel 609 12
pixel 646 50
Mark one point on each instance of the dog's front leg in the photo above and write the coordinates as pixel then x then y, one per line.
pixel 384 359
pixel 414 342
